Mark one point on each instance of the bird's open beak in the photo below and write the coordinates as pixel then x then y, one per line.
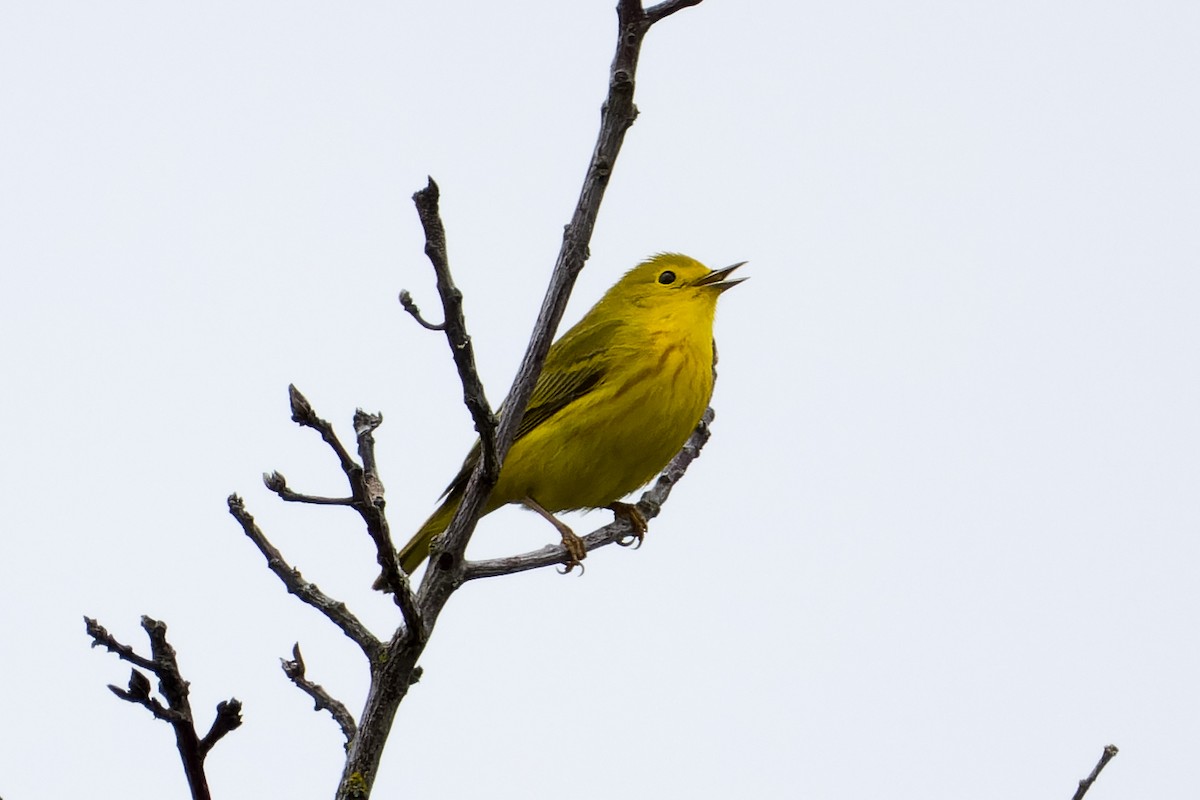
pixel 716 278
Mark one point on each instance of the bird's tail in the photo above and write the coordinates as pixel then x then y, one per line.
pixel 417 549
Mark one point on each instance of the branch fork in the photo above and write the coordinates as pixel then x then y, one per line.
pixel 177 711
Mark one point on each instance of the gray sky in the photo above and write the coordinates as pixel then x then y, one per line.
pixel 944 539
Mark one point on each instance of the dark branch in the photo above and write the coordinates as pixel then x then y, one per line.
pixel 278 484
pixel 303 415
pixel 367 498
pixel 174 689
pixel 407 303
pixel 650 504
pixel 138 693
pixel 656 12
pixel 335 611
pixel 370 505
pixel 229 717
pixel 294 669
pixel 455 326
pixel 1109 753
pixel 102 638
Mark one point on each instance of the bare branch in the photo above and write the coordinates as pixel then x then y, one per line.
pixel 102 638
pixel 650 504
pixel 323 701
pixel 229 717
pixel 303 415
pixel 172 686
pixel 138 693
pixel 1109 753
pixel 656 12
pixel 365 426
pixel 455 326
pixel 367 498
pixel 334 610
pixel 407 303
pixel 370 505
pixel 278 484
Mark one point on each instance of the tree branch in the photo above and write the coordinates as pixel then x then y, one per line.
pixel 657 12
pixel 366 498
pixel 650 504
pixel 102 638
pixel 304 416
pixel 323 701
pixel 172 686
pixel 1109 753
pixel 369 503
pixel 275 482
pixel 406 302
pixel 229 717
pixel 334 610
pixel 455 326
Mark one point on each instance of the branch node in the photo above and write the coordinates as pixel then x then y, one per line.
pixel 174 689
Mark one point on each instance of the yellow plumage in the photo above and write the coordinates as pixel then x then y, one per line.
pixel 618 396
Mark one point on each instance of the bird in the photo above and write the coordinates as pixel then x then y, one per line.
pixel 618 396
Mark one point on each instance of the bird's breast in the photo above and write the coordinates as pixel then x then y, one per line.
pixel 618 436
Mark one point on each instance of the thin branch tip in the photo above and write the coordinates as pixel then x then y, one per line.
pixel 1110 751
pixel 667 8
pixel 431 192
pixel 322 700
pixel 407 303
pixel 174 689
pixel 333 610
pixel 366 422
pixel 302 410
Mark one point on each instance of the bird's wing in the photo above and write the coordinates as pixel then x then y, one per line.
pixel 575 364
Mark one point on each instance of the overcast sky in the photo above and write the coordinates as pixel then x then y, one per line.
pixel 944 540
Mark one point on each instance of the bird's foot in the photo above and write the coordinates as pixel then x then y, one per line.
pixel 576 551
pixel 637 521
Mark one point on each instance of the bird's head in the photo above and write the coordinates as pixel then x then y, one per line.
pixel 672 282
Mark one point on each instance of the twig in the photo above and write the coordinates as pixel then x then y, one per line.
pixel 366 498
pixel 407 303
pixel 278 484
pixel 1109 753
pixel 102 638
pixel 174 689
pixel 370 505
pixel 657 12
pixel 229 717
pixel 334 610
pixel 455 326
pixel 294 669
pixel 650 504
pixel 303 415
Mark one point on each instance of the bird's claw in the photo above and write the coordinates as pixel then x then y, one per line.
pixel 637 522
pixel 576 553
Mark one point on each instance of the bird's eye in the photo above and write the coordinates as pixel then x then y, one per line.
pixel 667 277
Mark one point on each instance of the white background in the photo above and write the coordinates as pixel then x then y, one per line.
pixel 944 540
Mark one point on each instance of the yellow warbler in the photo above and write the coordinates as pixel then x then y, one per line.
pixel 618 396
